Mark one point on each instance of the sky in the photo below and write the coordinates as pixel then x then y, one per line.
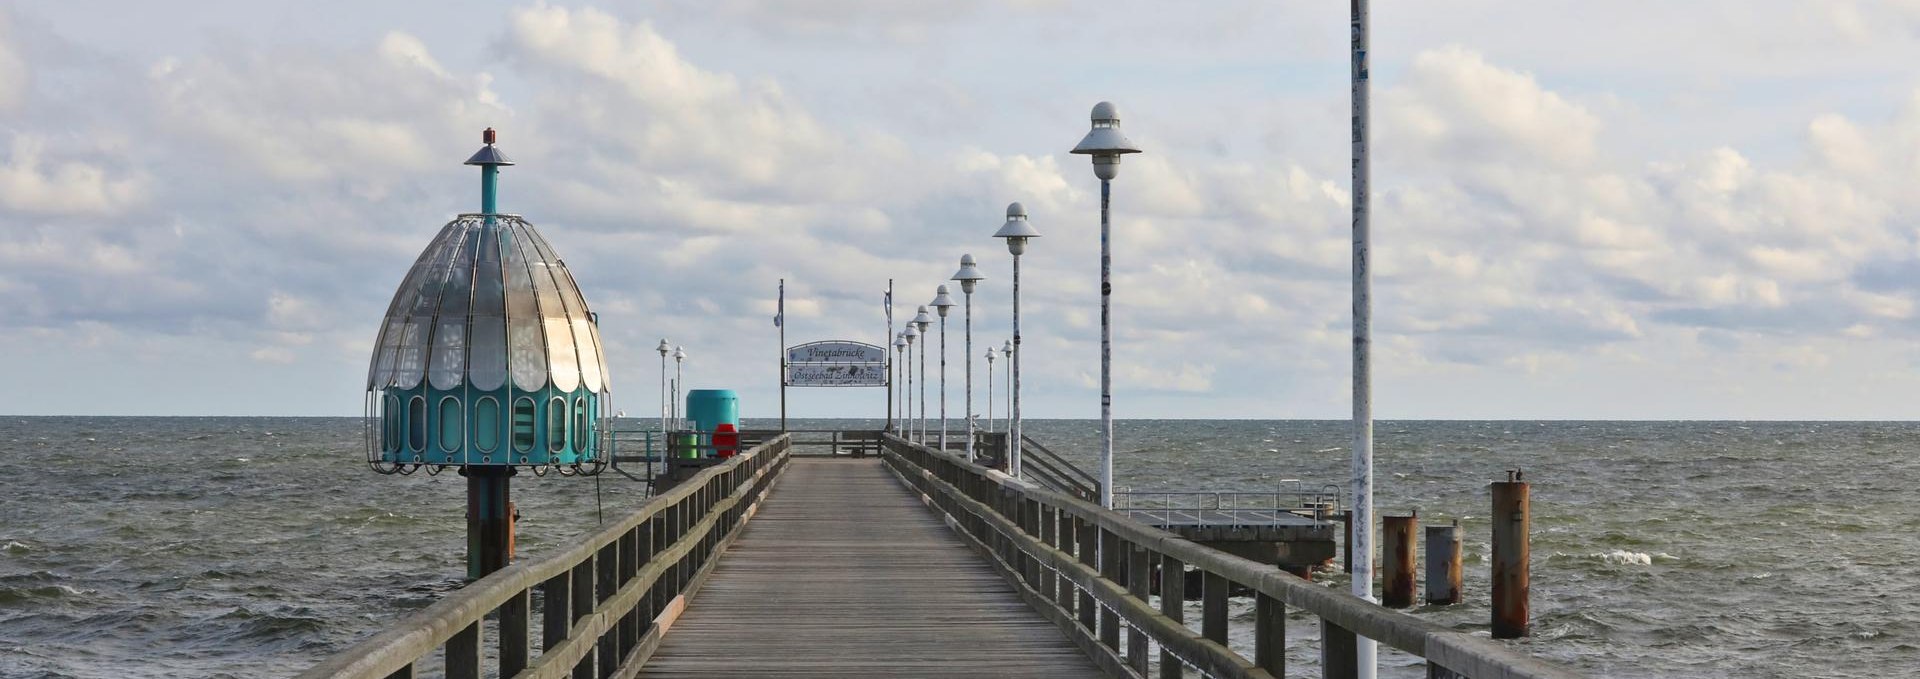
pixel 1620 210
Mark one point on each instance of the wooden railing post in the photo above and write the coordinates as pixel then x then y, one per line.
pixel 1113 553
pixel 629 566
pixel 1337 647
pixel 1213 606
pixel 1063 541
pixel 1270 634
pixel 606 579
pixel 582 600
pixel 554 620
pixel 1173 598
pixel 463 653
pixel 1088 549
pixel 514 630
pixel 1049 529
pixel 1139 576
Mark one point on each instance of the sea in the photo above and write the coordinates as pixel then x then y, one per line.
pixel 255 547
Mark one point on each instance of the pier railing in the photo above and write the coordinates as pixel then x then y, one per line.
pixel 606 600
pixel 1092 571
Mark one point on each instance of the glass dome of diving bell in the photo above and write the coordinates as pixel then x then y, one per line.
pixel 489 354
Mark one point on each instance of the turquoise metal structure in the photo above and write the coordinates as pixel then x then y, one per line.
pixel 710 408
pixel 489 355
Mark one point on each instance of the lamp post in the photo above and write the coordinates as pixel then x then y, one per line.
pixel 1106 144
pixel 1017 231
pixel 1366 658
pixel 969 277
pixel 893 373
pixel 1006 353
pixel 679 384
pixel 923 321
pixel 990 355
pixel 912 334
pixel 941 304
pixel 664 349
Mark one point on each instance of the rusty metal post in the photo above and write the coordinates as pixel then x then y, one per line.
pixel 1396 578
pixel 1346 543
pixel 1512 521
pixel 1443 564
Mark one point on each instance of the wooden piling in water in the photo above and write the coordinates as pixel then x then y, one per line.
pixel 1397 561
pixel 1443 564
pixel 1512 520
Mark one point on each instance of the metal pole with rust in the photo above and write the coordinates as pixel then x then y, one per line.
pixel 1443 564
pixel 1512 521
pixel 1396 560
pixel 1366 658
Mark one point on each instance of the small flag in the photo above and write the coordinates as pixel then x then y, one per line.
pixel 780 313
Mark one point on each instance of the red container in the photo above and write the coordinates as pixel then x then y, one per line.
pixel 726 440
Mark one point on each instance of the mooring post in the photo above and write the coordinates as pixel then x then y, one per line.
pixel 1512 520
pixel 489 519
pixel 1396 586
pixel 1346 524
pixel 1443 564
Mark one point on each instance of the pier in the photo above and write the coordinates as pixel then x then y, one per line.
pixel 909 561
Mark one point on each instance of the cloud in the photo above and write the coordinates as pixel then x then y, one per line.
pixel 255 199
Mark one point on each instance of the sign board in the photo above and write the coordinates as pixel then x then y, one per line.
pixel 836 352
pixel 836 364
pixel 837 375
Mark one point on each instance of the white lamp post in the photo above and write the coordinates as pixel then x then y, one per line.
pixel 990 356
pixel 1106 144
pixel 941 304
pixel 664 349
pixel 923 321
pixel 679 384
pixel 893 378
pixel 1006 353
pixel 1017 231
pixel 969 276
pixel 912 334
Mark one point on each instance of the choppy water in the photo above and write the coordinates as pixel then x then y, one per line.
pixel 251 547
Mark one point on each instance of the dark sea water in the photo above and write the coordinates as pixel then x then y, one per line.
pixel 252 547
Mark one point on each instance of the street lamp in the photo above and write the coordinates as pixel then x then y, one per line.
pixel 1017 231
pixel 664 349
pixel 679 384
pixel 923 321
pixel 990 356
pixel 1006 352
pixel 912 333
pixel 941 304
pixel 899 350
pixel 970 277
pixel 1106 144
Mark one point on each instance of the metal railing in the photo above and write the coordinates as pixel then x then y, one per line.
pixel 1056 472
pixel 1091 572
pixel 605 602
pixel 1240 508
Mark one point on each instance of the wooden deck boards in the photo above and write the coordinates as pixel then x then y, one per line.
pixel 844 573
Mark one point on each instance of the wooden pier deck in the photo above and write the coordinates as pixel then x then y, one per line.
pixel 844 573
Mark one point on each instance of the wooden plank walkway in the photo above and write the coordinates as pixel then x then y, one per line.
pixel 844 573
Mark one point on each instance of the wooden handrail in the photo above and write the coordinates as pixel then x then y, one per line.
pixel 1017 517
pixel 645 562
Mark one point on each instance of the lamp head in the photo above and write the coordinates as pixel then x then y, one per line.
pixel 922 319
pixel 1105 142
pixel 968 275
pixel 1007 349
pixel 1017 230
pixel 941 302
pixel 664 348
pixel 911 333
pixel 899 343
pixel 679 354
